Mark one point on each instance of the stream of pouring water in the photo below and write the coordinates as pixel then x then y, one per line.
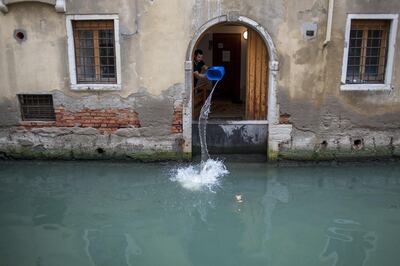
pixel 208 172
pixel 205 110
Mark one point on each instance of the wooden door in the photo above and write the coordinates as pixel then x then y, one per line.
pixel 227 53
pixel 256 78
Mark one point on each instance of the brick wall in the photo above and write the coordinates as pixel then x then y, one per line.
pixel 177 120
pixel 105 120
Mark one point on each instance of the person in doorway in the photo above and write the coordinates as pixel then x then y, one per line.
pixel 198 66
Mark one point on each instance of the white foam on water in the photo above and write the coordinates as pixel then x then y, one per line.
pixel 206 175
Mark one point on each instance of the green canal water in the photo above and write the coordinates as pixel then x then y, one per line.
pixel 101 213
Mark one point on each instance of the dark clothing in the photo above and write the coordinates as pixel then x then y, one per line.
pixel 197 67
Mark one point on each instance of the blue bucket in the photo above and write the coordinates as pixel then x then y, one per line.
pixel 215 72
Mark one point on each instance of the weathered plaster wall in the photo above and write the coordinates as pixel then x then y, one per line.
pixel 154 36
pixel 326 120
pixel 152 51
pixel 152 54
pixel 36 65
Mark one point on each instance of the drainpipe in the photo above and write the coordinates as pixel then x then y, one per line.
pixel 329 23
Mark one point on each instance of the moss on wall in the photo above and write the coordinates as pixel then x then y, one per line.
pixel 326 155
pixel 58 154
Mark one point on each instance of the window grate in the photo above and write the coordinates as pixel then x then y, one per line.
pixel 36 107
pixel 94 51
pixel 367 51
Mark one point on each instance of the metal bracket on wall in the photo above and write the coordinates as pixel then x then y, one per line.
pixel 59 5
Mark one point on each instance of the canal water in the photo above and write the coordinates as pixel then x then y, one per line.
pixel 101 213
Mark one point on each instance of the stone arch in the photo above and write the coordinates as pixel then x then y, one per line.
pixel 59 5
pixel 273 116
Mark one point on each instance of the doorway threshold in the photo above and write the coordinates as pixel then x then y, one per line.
pixel 233 122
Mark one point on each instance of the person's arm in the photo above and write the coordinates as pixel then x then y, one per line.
pixel 199 75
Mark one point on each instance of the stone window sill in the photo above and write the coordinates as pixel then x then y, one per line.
pixel 365 87
pixel 96 87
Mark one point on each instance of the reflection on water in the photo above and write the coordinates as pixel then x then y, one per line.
pixel 276 193
pixel 257 216
pixel 100 254
pixel 347 237
pixel 48 211
pixel 131 214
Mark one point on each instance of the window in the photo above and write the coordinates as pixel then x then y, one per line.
pixel 94 51
pixel 93 47
pixel 36 107
pixel 369 52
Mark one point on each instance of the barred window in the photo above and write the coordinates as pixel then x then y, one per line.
pixel 94 51
pixel 368 46
pixel 36 107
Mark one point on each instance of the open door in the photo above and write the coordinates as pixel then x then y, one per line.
pixel 257 77
pixel 226 52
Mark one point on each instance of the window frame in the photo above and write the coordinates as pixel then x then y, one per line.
pixel 26 117
pixel 74 85
pixel 83 53
pixel 387 85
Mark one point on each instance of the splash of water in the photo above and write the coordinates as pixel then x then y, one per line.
pixel 205 175
pixel 208 173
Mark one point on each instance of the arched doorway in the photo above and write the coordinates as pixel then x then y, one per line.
pixel 260 74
